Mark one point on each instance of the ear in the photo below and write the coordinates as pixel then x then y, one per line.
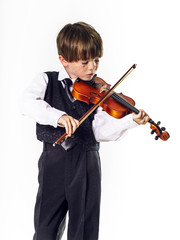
pixel 63 61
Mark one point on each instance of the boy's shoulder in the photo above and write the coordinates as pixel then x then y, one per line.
pixel 51 72
pixel 52 75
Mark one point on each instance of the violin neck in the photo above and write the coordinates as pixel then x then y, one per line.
pixel 124 102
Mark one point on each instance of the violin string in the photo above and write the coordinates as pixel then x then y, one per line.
pixel 121 100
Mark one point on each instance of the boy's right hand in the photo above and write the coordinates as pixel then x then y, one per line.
pixel 70 123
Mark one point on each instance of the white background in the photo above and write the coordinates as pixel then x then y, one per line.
pixel 140 176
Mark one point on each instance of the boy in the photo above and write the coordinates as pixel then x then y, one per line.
pixel 69 179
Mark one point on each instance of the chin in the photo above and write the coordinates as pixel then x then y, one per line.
pixel 88 78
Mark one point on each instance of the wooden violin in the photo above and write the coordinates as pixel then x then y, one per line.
pixel 99 93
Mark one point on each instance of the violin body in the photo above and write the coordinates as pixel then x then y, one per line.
pixel 93 91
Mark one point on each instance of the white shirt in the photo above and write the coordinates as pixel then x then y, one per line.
pixel 32 104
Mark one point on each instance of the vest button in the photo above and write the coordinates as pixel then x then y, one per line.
pixel 73 107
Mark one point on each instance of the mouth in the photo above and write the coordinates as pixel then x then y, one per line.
pixel 90 74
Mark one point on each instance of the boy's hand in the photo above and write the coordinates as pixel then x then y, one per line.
pixel 70 124
pixel 141 118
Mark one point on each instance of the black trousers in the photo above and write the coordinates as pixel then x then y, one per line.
pixel 68 182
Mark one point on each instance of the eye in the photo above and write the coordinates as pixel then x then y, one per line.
pixel 85 62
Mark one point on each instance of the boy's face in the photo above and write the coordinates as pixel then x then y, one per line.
pixel 83 69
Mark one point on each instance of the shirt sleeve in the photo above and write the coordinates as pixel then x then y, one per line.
pixel 108 128
pixel 32 103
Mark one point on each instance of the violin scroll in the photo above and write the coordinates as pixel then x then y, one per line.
pixel 160 132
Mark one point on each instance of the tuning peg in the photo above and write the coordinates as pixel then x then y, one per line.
pixel 163 129
pixel 153 131
pixel 157 137
pixel 158 123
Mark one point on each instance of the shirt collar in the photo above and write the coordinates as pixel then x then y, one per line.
pixel 63 74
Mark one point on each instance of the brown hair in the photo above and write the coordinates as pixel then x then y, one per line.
pixel 79 41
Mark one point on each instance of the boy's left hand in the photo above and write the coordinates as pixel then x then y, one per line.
pixel 141 118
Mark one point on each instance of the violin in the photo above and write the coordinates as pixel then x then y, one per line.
pixel 117 105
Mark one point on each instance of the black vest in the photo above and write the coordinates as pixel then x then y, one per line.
pixel 56 97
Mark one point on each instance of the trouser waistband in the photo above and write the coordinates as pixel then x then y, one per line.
pixel 49 146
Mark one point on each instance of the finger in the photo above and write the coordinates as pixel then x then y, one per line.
pixel 145 119
pixel 75 125
pixel 144 116
pixel 68 127
pixel 138 117
pixel 69 123
pixel 142 113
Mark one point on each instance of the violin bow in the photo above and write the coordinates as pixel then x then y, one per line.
pixel 86 115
